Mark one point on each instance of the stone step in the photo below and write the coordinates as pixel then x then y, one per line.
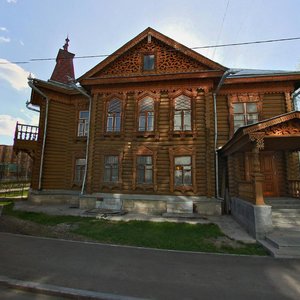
pixel 289 214
pixel 282 200
pixel 285 206
pixel 286 226
pixel 284 252
pixel 281 239
pixel 286 210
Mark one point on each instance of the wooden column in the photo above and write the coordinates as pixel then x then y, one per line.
pixel 258 178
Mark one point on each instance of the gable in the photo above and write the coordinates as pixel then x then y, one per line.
pixel 170 57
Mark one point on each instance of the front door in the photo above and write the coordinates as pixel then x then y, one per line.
pixel 268 169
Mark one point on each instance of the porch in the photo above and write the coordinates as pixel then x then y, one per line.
pixel 261 160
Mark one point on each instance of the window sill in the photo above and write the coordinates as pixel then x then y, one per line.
pixel 183 134
pixel 80 139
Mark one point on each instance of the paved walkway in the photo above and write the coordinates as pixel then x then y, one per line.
pixel 226 223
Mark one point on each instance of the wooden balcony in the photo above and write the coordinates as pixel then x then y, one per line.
pixel 26 138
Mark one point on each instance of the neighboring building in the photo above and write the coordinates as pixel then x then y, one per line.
pixel 14 167
pixel 144 126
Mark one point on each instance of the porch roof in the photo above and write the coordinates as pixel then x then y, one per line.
pixel 278 133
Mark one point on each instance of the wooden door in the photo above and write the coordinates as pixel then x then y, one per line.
pixel 268 169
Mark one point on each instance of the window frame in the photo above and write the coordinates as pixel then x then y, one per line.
pixel 243 98
pixel 245 114
pixel 183 133
pixel 145 151
pixel 79 181
pixel 145 169
pixel 146 113
pixel 111 170
pixel 179 152
pixel 84 122
pixel 148 54
pixel 183 171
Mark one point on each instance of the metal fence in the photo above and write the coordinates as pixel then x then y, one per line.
pixel 14 189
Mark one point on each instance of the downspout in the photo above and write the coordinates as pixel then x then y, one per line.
pixel 224 76
pixel 84 93
pixel 30 83
pixel 31 108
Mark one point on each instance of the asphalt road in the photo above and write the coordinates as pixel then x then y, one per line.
pixel 145 273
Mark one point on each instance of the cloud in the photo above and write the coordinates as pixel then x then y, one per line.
pixel 21 43
pixel 4 39
pixel 3 29
pixel 11 1
pixel 32 118
pixel 13 74
pixel 8 124
pixel 184 33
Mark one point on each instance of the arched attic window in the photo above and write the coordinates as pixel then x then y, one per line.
pixel 146 114
pixel 114 111
pixel 182 113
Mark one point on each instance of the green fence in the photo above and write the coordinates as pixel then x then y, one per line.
pixel 14 189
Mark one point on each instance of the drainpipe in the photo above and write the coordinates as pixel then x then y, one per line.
pixel 225 75
pixel 30 83
pixel 84 93
pixel 31 108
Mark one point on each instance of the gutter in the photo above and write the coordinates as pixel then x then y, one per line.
pixel 84 93
pixel 225 75
pixel 30 83
pixel 31 108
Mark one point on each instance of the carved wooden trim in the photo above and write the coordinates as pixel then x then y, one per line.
pixel 258 137
pixel 107 98
pixel 288 102
pixel 143 150
pixel 111 185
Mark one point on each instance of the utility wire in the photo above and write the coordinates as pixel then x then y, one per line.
pixel 193 48
pixel 221 29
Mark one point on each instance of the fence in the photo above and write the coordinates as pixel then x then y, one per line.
pixel 14 189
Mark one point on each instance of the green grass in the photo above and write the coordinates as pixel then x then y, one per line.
pixel 161 235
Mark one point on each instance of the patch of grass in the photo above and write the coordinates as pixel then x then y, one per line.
pixel 161 235
pixel 40 218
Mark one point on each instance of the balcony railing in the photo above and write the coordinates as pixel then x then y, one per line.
pixel 26 132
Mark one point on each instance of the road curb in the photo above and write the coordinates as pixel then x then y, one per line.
pixel 54 290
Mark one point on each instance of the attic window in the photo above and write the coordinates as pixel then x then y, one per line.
pixel 149 62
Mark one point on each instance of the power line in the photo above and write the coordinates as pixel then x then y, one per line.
pixel 193 48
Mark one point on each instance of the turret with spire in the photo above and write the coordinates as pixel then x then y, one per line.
pixel 64 68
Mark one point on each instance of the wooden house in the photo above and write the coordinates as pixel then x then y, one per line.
pixel 156 127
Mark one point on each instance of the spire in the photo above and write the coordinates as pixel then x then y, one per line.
pixel 66 45
pixel 64 69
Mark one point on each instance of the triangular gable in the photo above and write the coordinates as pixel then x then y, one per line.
pixel 172 57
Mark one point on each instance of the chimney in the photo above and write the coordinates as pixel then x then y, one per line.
pixel 64 68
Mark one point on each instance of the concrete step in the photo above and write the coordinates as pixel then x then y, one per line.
pixel 283 243
pixel 285 206
pixel 286 252
pixel 282 200
pixel 285 214
pixel 286 226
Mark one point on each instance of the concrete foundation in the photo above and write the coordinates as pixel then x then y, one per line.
pixel 146 204
pixel 256 219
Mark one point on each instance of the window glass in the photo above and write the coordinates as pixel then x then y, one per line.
pixel 144 169
pixel 111 168
pixel 182 113
pixel 183 171
pixel 79 170
pixel 251 107
pixel 113 123
pixel 238 108
pixel 83 123
pixel 149 62
pixel 146 114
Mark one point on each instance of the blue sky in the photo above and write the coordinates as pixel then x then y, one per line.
pixel 37 29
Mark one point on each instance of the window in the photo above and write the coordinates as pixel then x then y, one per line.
pixel 182 113
pixel 146 114
pixel 144 170
pixel 114 116
pixel 83 123
pixel 244 114
pixel 183 171
pixel 149 62
pixel 111 168
pixel 79 170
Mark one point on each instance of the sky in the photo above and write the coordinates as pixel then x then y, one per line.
pixel 31 29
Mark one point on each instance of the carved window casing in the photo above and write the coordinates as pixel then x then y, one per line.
pixel 113 122
pixel 111 176
pixel 244 109
pixel 146 115
pixel 182 114
pixel 144 169
pixel 182 169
